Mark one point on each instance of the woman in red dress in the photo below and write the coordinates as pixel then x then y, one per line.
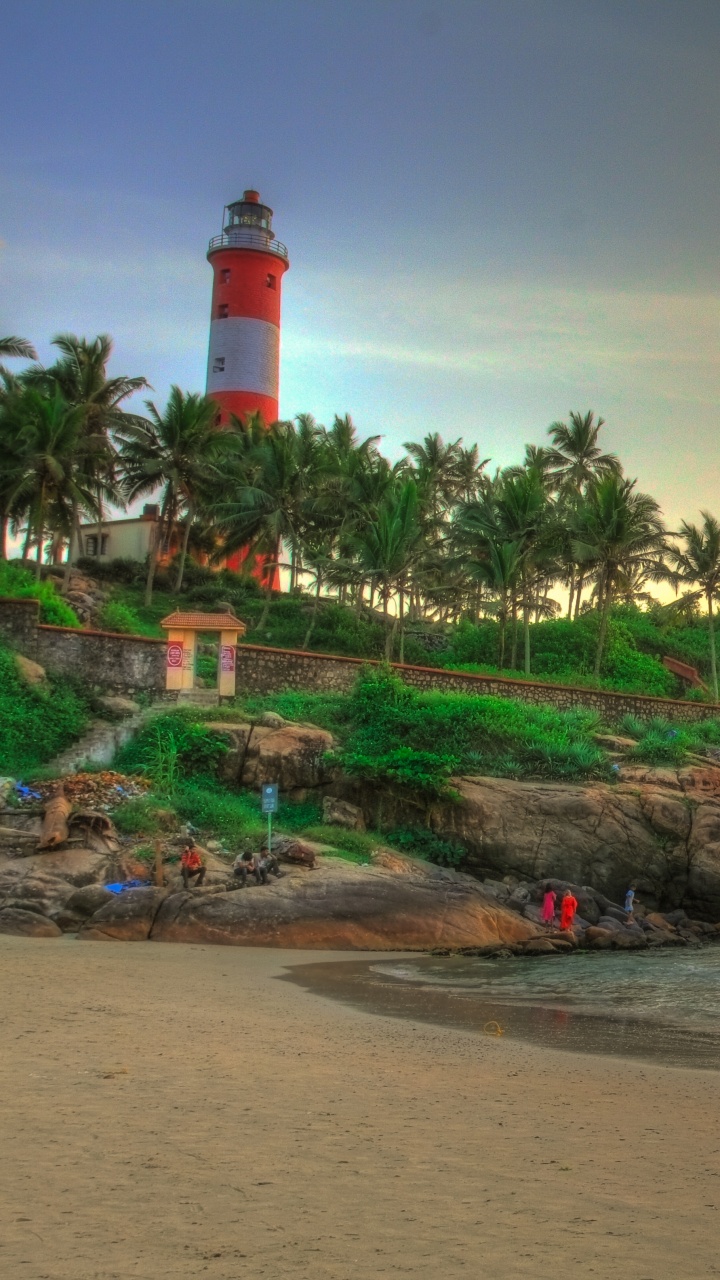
pixel 568 907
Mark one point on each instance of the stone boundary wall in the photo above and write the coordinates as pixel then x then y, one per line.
pixel 118 663
pixel 265 670
pixel 129 664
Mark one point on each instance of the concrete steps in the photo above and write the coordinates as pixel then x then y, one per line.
pixel 199 697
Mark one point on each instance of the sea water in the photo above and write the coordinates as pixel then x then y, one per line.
pixel 662 1006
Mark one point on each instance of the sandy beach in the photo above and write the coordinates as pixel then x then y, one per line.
pixel 178 1111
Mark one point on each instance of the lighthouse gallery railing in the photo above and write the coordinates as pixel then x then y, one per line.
pixel 246 239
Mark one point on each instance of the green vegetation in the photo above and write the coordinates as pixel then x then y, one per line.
pixel 19 584
pixel 659 742
pixel 430 560
pixel 35 722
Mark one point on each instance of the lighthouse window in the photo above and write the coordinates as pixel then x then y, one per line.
pixel 219 364
pixel 271 281
pixel 226 275
pixel 223 311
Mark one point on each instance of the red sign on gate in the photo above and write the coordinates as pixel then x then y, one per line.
pixel 227 657
pixel 174 655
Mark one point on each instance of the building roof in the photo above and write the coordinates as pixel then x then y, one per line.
pixel 203 622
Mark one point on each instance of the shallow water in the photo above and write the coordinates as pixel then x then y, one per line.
pixel 662 1006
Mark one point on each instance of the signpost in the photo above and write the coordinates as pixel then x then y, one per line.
pixel 269 796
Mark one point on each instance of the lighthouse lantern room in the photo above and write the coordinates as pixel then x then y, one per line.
pixel 248 265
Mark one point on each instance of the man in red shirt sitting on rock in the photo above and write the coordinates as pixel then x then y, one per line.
pixel 191 864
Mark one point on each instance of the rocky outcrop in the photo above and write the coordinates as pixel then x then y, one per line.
pixel 272 750
pixel 342 906
pixel 658 827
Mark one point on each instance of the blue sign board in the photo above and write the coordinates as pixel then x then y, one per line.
pixel 269 797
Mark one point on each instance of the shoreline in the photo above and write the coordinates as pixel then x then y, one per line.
pixel 365 986
pixel 192 1110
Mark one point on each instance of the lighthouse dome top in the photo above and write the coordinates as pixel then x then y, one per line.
pixel 247 223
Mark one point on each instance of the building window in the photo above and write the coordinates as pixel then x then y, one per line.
pixel 91 545
pixel 104 548
pixel 219 364
pixel 271 281
pixel 223 310
pixel 225 273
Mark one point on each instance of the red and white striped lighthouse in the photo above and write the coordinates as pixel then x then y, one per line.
pixel 248 266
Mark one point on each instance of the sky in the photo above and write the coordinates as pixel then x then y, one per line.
pixel 497 211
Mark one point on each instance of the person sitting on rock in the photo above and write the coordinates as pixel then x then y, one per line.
pixel 191 864
pixel 266 863
pixel 568 907
pixel 244 864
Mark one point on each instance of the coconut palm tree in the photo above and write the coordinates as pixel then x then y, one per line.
pixel 80 376
pixel 698 561
pixel 43 475
pixel 387 549
pixel 617 530
pixel 181 452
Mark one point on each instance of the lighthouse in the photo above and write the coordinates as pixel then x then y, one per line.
pixel 248 265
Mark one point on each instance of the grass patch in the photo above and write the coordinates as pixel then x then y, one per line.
pixel 36 721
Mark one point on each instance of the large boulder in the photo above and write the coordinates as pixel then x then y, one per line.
pixel 128 917
pixel 290 754
pixel 31 672
pixel 343 906
pixel 27 924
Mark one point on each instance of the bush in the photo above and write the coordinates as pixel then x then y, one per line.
pixel 116 616
pixel 170 748
pixel 425 844
pixel 19 584
pixel 417 741
pixel 121 569
pixel 35 722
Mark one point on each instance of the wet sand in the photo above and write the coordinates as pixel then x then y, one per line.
pixel 177 1111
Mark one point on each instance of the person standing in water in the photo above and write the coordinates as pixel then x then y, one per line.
pixel 568 907
pixel 547 915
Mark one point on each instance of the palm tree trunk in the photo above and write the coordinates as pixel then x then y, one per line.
pixel 38 558
pixel 713 662
pixel 388 632
pixel 578 595
pixel 526 628
pixel 153 556
pixel 266 607
pixel 189 516
pixel 513 650
pixel 503 624
pixel 26 544
pixel 571 592
pixel 606 581
pixel 3 536
pixel 313 615
pixel 401 654
pixel 75 540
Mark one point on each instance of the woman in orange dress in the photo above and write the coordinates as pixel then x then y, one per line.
pixel 568 907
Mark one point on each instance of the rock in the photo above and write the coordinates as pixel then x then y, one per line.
pixel 614 742
pixel 128 917
pixel 610 923
pixel 340 813
pixel 27 924
pixel 292 756
pixel 117 705
pixel 658 921
pixel 598 938
pixel 290 849
pixel 616 913
pixel 539 947
pixel 6 789
pixel 85 902
pixel 31 672
pixel 271 720
pixel 675 917
pixel 347 907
